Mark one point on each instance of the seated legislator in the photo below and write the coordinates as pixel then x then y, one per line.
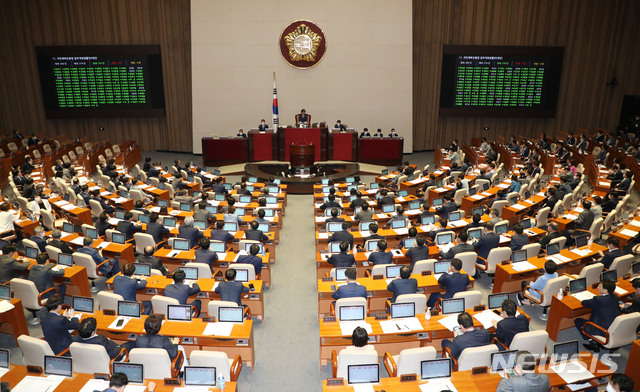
pixel 466 336
pixel 252 258
pixel 447 207
pixel 352 288
pixel 187 231
pixel 365 133
pixel 453 281
pixel 230 290
pixel 461 247
pixel 340 126
pixel 525 378
pixel 378 133
pixel 613 245
pixel 365 214
pixel 127 227
pixel 10 267
pixel 263 126
pixel 102 224
pixel 553 234
pixel 220 234
pixel 205 255
pixel 39 238
pixel 87 334
pixel 181 291
pixel 127 286
pixel 254 233
pixel 56 242
pixel 604 309
pixel 148 258
pixel 107 269
pixel 152 339
pixel 393 133
pixel 42 275
pixel 330 203
pixel 381 256
pixel 56 325
pixel 342 259
pixel 550 268
pixel 404 284
pixel 241 134
pixel 333 218
pixel 343 235
pixel 398 216
pixel 157 230
pixel 486 242
pixel 303 119
pixel 373 233
pixel 510 325
pixel 519 239
pixel 418 252
pixel 630 307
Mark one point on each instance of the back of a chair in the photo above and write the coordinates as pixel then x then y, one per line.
pixel 424 265
pixel 472 357
pixel 561 241
pixel 459 195
pixel 542 217
pixel 242 243
pixel 379 270
pixel 497 256
pixel 212 308
pixel 33 350
pixel 354 301
pixel 448 232
pixel 566 201
pixel 532 249
pixel 109 300
pixel 89 358
pixel 96 208
pixel 366 355
pixel 26 291
pixel 500 223
pixel 596 229
pixel 534 342
pixel 204 271
pixel 52 252
pixel 155 362
pixel 87 262
pixel 552 287
pixel 216 359
pixel 471 297
pixel 592 273
pixel 498 205
pixel 468 262
pixel 27 242
pixel 47 219
pixel 136 195
pixel 622 264
pixel 160 303
pixel 623 330
pixel 142 241
pixel 249 267
pixel 419 300
pixel 409 359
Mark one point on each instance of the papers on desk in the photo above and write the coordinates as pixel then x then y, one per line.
pixel 59 267
pixel 570 217
pixel 323 236
pixel 155 209
pixel 104 244
pixel 365 233
pixel 578 209
pixel 486 317
pixel 449 322
pixel 416 181
pixel 113 221
pixel 583 295
pixel 530 233
pixel 174 253
pixel 572 371
pixel 367 254
pixel 218 329
pixel 105 193
pixel 401 325
pixel 604 183
pixel 437 276
pixel 628 232
pixel 621 291
pixel 504 238
pixel 4 371
pixel 441 189
pixel 347 327
pixel 635 223
pixel 400 199
pixel 92 188
pixel 518 207
pixel 502 186
pixel 445 248
pixel 486 194
pixel 68 207
pixel 528 201
pixel 33 383
pixel 560 259
pixel 113 324
pixel 325 256
pixel 78 241
pixel 581 252
pixel 174 212
pixel 396 253
pixel 437 385
pixel 575 387
pixel 458 223
pixel 522 266
pixel 428 227
pixel 60 203
pixel 321 219
pixel 381 216
pixel 540 194
pixel 5 306
pixel 476 197
pixel 401 231
pixel 119 199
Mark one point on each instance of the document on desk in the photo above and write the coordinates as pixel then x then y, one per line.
pixel 449 322
pixel 621 291
pixel 486 317
pixel 155 209
pixel 518 207
pixel 42 384
pixel 530 233
pixel 575 387
pixel 175 253
pixel 401 231
pixel 104 244
pixel 68 207
pixel 445 248
pixel 504 238
pixel 437 385
pixel 218 329
pixel 347 327
pixel 5 306
pixel 365 233
pixel 570 217
pixel 458 223
pixel 113 325
pixel 583 295
pixel 60 203
pixel 477 197
pixel 522 266
pixel 188 389
pixel 635 223
pixel 401 325
pixel 400 199
pixel 364 387
pixel 560 259
pixel 581 252
pixel 3 371
pixel 323 236
pixel 320 219
pixel 572 371
pixel 396 253
pixel 113 221
pixel 628 232
pixel 78 241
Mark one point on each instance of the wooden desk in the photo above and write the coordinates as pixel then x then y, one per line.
pixel 118 251
pixel 520 210
pixel 632 225
pixel 632 363
pixel 75 278
pixel 239 342
pixel 76 215
pixel 13 322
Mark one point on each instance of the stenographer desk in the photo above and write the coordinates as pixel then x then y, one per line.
pixel 13 322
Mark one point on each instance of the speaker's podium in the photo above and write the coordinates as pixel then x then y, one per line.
pixel 302 155
pixel 315 137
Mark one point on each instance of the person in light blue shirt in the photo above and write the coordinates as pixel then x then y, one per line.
pixel 515 184
pixel 550 268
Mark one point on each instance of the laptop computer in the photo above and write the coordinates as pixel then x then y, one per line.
pixel 268 212
pixel 245 199
pixel 142 269
pixel 212 209
pixel 474 233
pixel 68 227
pixel 119 214
pixel 565 351
pixel 181 244
pixel 271 199
pixel 93 233
pixel 5 291
pixel 82 304
pixel 610 275
pixel 503 361
pixel 577 285
pixel 118 238
pixel 454 216
pixel 435 368
pixel 334 247
pixel 134 371
pixel 415 204
pixel 231 314
pixel 340 274
pixel 351 313
pixel 518 255
pixel 393 271
pixel 359 374
pixel 327 212
pixel 398 223
pixel 496 300
pixel 31 252
pixel 242 274
pixel 526 223
pixel 479 211
pixel 179 312
pixel 441 267
pixel 444 239
pixel 452 305
pixel 403 310
pixel 428 220
pixel 581 240
pixel 372 246
pixel 185 206
pixel 374 185
pixel 635 269
pixel 501 229
pixel 264 227
pixel 58 366
pixel 199 375
pixel 65 259
pixel 191 273
pixel 163 203
pixel 217 246
pixel 385 172
pixel 252 179
pixel 142 218
pixel 247 246
pixel 333 227
pixel 403 193
pixel 230 226
pixel 129 308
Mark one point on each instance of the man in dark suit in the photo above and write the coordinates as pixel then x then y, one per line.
pixel 453 282
pixel 358 201
pixel 381 256
pixel 254 233
pixel 218 186
pixel 385 198
pixel 181 291
pixel 263 126
pixel 148 258
pixel 519 239
pixel 486 242
pixel 55 241
pixel 585 218
pixel 9 267
pixel 252 258
pixel 352 288
pixel 95 195
pixel 604 309
pixel 107 269
pixel 470 336
pixel 330 203
pixel 403 285
pixel 583 144
pixel 571 140
pixel 613 245
pixel 418 252
pixel 230 290
pixel 219 234
pixel 615 176
pixel 552 199
pixel 343 235
pixel 447 207
pixel 342 259
pixel 127 227
pixel 340 126
pixel 87 334
pixel 365 133
pixel 553 233
pixel 204 255
pixel 38 238
pixel 42 275
pixel 127 286
pixel 187 231
pixel 462 246
pixel 373 233
pixel 55 326
pixel 510 325
pixel 333 218
pixel 623 186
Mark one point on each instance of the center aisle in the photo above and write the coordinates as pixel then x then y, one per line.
pixel 286 345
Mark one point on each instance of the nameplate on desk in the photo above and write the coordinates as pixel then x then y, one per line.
pixel 435 312
pixel 408 377
pixel 209 319
pixel 327 279
pixel 505 262
pixel 335 381
pixel 101 376
pixel 425 273
pixel 381 317
pixel 171 381
pixel 479 370
pixel 242 342
pixel 329 319
pixel 378 277
pixel 219 278
pixel 34 369
pixel 109 312
pixel 479 308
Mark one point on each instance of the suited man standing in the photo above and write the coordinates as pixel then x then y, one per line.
pixel 342 259
pixel 462 246
pixel 470 336
pixel 187 231
pixel 56 324
pixel 343 235
pixel 604 309
pixel 352 289
pixel 181 291
pixel 381 256
pixel 127 286
pixel 486 242
pixel 42 275
pixel 403 285
pixel 453 282
pixel 519 239
pixel 510 325
pixel 127 227
pixel 263 126
pixel 204 255
pixel 613 245
pixel 230 290
pixel 9 267
pixel 252 258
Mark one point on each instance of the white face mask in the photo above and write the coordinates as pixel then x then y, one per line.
pixel 37 200
pixel 610 388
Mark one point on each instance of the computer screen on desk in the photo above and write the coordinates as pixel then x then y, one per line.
pixel 414 204
pixel 428 219
pixel 393 271
pixel 610 275
pixel 441 267
pixel 372 245
pixel 398 223
pixel 142 269
pixel 163 203
pixel 264 227
pixel 134 371
pixel 185 206
pixel 231 314
pixel 577 285
pixel 553 249
pixel 340 274
pixel 179 312
pixel 333 227
pixel 503 360
pixel 437 202
pixel 119 214
pixel 4 358
pixel 452 305
pixel 334 247
pixel 231 226
pixel 68 227
pixel 474 234
pixel 5 291
pixel 435 368
pixel 409 242
pixel 58 366
pixel 93 233
pixel 142 218
pixel 388 208
pixel 581 240
pixel 565 351
pixel 445 238
pixel 518 255
pixel 635 268
pixel 129 308
pixel 496 300
pixel 200 224
pixel 358 374
pixel 479 211
pixel 180 244
pixel 191 273
pixel 456 215
pixel 199 375
pixel 501 229
pixel 31 252
pixel 169 221
pixel 402 310
pixel 351 313
pixel 242 274
pixel 118 238
pixel 82 304
pixel 65 259
pixel 526 223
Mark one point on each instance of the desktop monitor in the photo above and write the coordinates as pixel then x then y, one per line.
pixel 472 191
pixel 200 224
pixel 610 275
pixel 191 273
pixel 181 244
pixel 428 219
pixel 31 252
pixel 635 268
pixel 67 197
pixel 326 189
pixel 519 255
pixel 185 206
pixel 245 199
pixel 134 371
pixel 409 242
pixel 5 356
pixel 65 259
pixel 454 216
pixel 350 187
pixel 277 181
pixel 403 310
pixel 161 186
pixel 58 366
pixel 372 245
pixel 118 238
pixel 385 172
pixel 441 267
pixel 340 274
pixel 163 203
pixel 359 374
pixel 268 212
pixel 212 209
pixel 496 300
pixel 231 314
pixel 435 368
pixel 403 193
pixel 119 214
pixel 349 180
pixel 388 208
pixel 577 285
pixel 581 240
pixel 325 181
pixel 230 226
pixel 216 172
pixel 227 186
pixel 142 218
pixel 445 238
pixel 196 194
pixel 512 200
pixel 169 221
pixel 352 313
pixel 327 212
pixel 393 271
pixel 334 247
pixel 415 204
pixel 124 194
pixel 129 308
pixel 452 305
pixel 93 233
pixel 217 246
pixel 485 187
pixel 553 249
pixel 247 246
pixel 252 179
pixel 501 229
pixel 199 375
pixel 264 227
pixel 142 269
pixel 332 227
pixel 179 312
pixel 364 225
pixel 82 304
pixel 251 188
pixel 479 211
pixel 526 223
pixel 242 274
pixel 68 227
pixel 437 202
pixel 504 360
pixel 475 233
pixel 271 199
pixel 219 197
pixel 5 291
pixel 398 223
pixel 274 189
pixel 565 351
pixel 374 185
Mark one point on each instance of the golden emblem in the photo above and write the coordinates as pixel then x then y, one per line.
pixel 303 44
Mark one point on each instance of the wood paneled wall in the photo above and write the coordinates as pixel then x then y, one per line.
pixel 599 36
pixel 26 24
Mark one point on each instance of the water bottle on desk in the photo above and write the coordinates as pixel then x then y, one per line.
pixel 560 294
pixel 427 314
pixel 221 383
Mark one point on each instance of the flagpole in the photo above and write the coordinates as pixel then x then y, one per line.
pixel 276 120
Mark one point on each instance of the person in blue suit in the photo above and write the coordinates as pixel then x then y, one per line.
pixel 352 288
pixel 448 207
pixel 510 325
pixel 181 291
pixel 519 239
pixel 127 227
pixel 550 268
pixel 453 282
pixel 157 230
pixel 127 286
pixel 404 285
pixel 204 255
pixel 342 259
pixel 230 290
pixel 38 238
pixel 220 234
pixel 470 336
pixel 107 269
pixel 604 309
pixel 187 231
pixel 613 245
pixel 418 252
pixel 252 258
pixel 381 256
pixel 55 326
pixel 486 242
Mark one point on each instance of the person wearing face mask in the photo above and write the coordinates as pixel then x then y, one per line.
pixel 263 126
pixel 37 205
pixel 620 383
